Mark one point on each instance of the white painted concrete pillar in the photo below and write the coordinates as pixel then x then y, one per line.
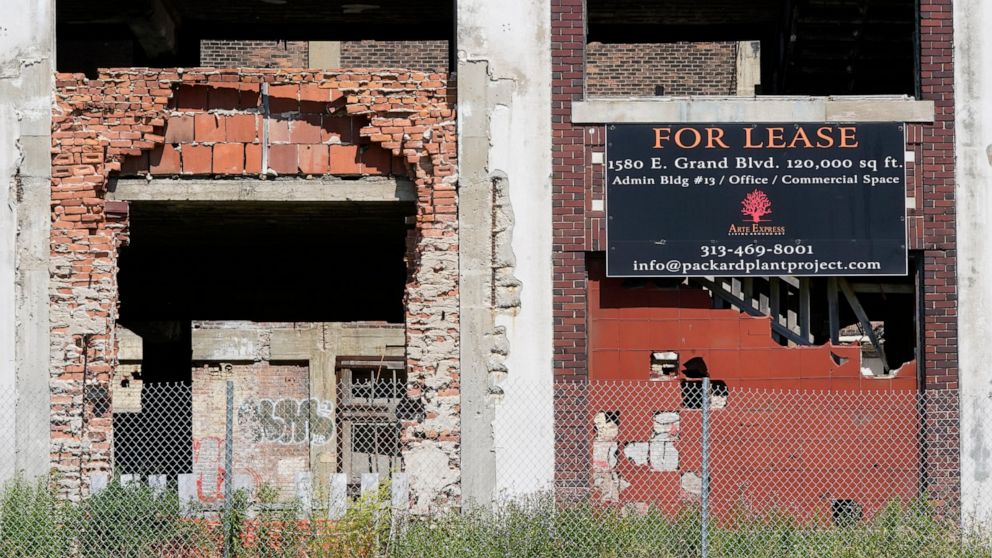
pixel 973 123
pixel 504 106
pixel 27 49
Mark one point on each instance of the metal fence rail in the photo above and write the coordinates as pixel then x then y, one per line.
pixel 657 469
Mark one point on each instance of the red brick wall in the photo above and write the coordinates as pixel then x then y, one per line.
pixel 424 56
pixel 569 182
pixel 218 130
pixel 273 457
pixel 428 56
pixel 683 68
pixel 98 124
pixel 254 54
pixel 935 214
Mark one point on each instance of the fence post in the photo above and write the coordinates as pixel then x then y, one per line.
pixel 228 468
pixel 337 502
pixel 705 495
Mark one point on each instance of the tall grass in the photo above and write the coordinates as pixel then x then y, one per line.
pixel 134 521
pixel 541 530
pixel 33 521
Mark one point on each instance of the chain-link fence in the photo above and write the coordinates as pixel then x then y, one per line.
pixel 635 469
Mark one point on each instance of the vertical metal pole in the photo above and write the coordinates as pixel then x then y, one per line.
pixel 833 308
pixel 804 307
pixel 705 511
pixel 228 468
pixel 265 128
pixel 775 305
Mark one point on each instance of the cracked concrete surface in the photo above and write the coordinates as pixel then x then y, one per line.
pixel 26 85
pixel 504 103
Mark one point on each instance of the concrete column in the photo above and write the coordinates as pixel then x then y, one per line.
pixel 973 102
pixel 504 118
pixel 748 67
pixel 27 49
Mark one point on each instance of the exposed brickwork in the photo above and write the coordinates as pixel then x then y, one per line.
pixel 219 130
pixel 569 184
pixel 419 55
pixel 683 68
pixel 99 125
pixel 424 56
pixel 936 215
pixel 273 455
pixel 254 54
pixel 930 182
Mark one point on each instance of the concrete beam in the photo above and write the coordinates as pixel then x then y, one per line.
pixel 753 109
pixel 383 190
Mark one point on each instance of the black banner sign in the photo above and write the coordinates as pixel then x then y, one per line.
pixel 761 199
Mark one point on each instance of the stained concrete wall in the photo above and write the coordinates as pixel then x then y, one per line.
pixel 973 89
pixel 27 48
pixel 504 115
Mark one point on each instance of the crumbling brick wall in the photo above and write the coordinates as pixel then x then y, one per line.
pixel 101 125
pixel 682 68
pixel 254 54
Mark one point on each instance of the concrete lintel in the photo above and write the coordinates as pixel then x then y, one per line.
pixel 754 109
pixel 383 190
pixel 227 344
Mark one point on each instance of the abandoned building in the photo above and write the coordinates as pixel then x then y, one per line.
pixel 371 239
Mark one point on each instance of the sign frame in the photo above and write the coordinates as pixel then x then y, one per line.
pixel 902 128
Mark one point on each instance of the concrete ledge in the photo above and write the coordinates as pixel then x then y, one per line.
pixel 382 190
pixel 753 109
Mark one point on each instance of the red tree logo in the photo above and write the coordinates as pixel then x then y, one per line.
pixel 756 204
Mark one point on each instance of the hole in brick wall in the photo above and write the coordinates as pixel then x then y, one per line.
pixel 845 513
pixel 696 367
pixel 272 261
pixel 692 394
pixel 607 425
pixel 664 365
pixel 99 400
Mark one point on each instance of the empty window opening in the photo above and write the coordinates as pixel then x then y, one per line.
pixel 383 385
pixel 413 34
pixel 727 47
pixel 263 261
pixel 372 400
pixel 250 268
